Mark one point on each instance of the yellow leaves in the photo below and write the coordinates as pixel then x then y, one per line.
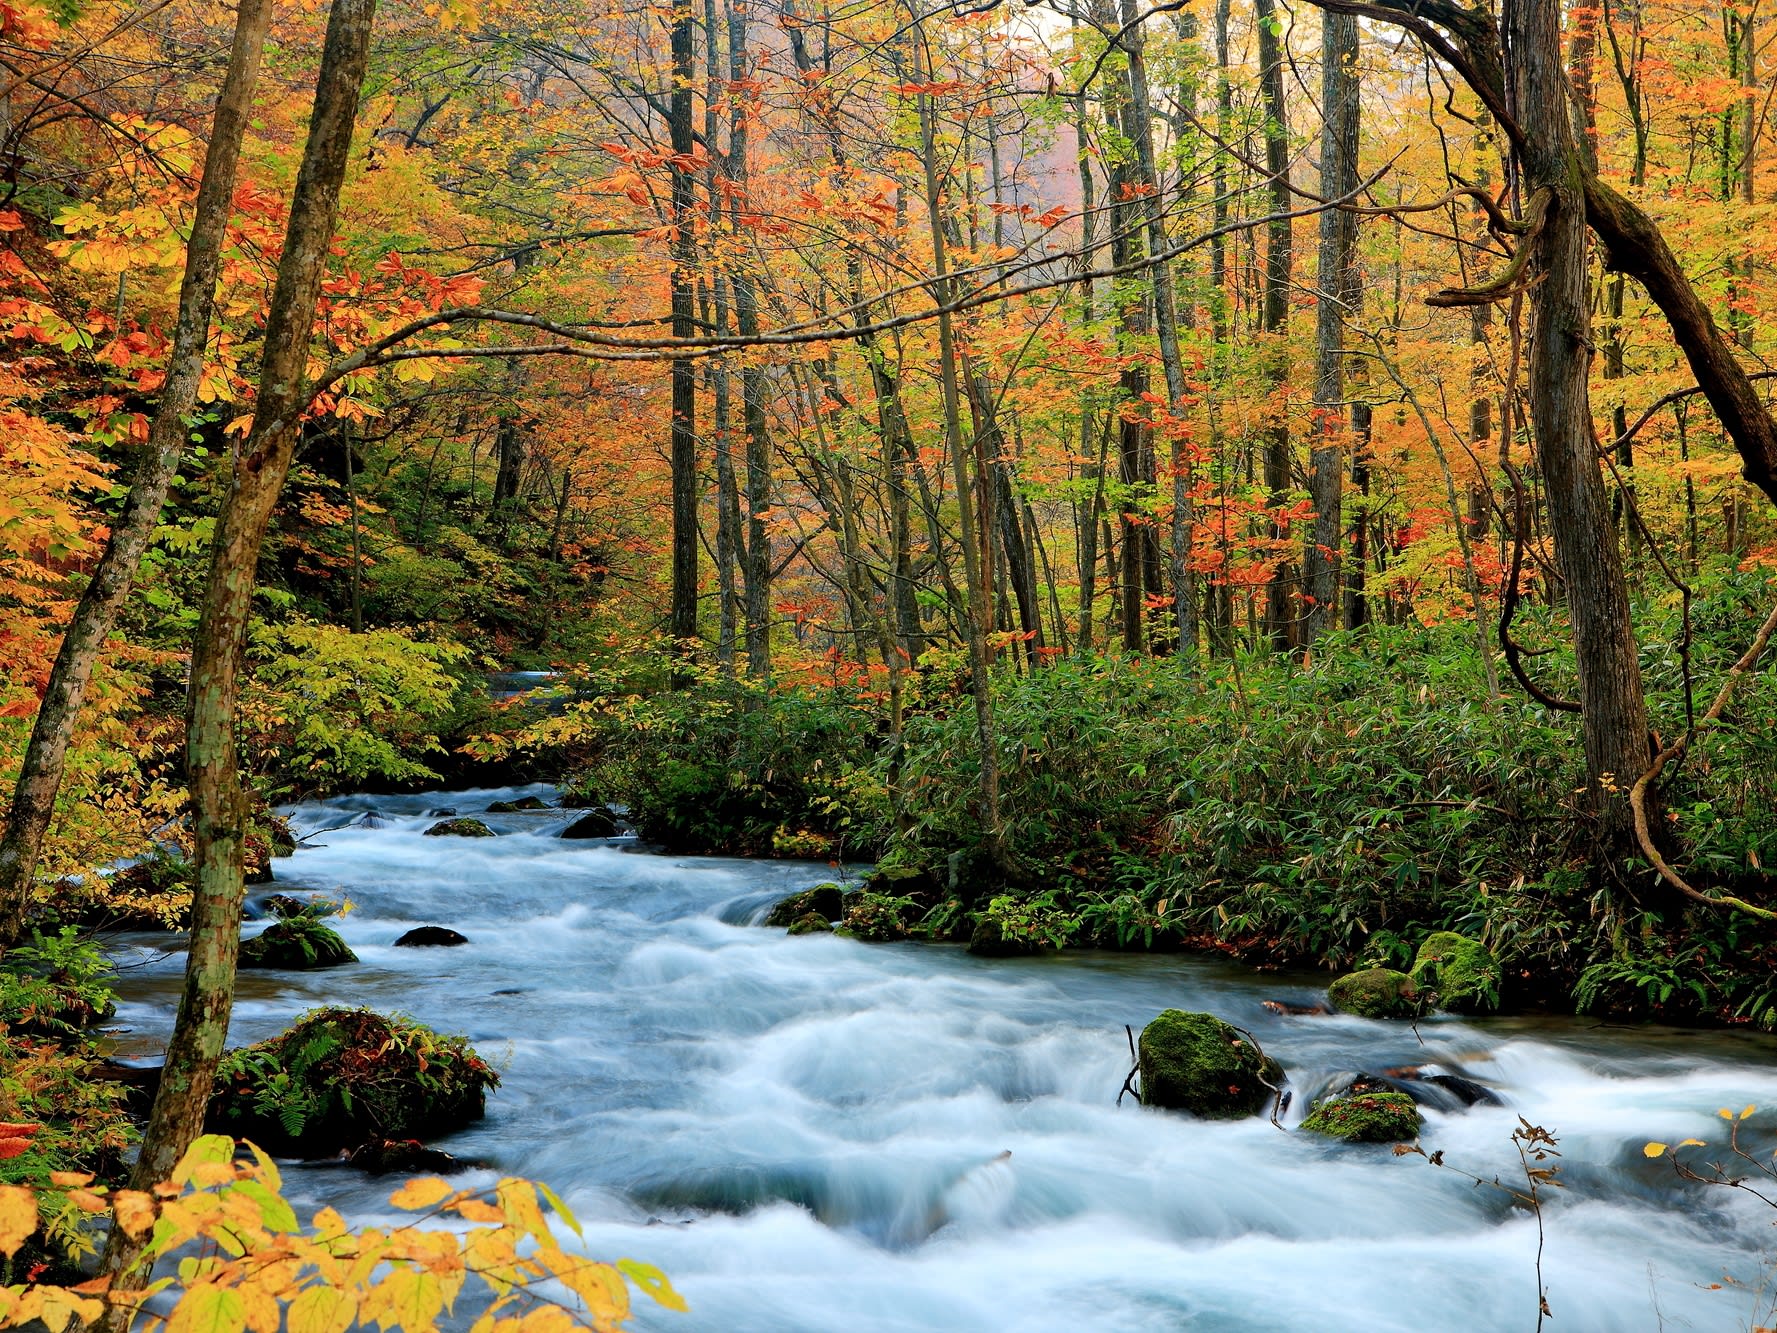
pixel 653 1282
pixel 259 1271
pixel 422 1193
pixel 207 1151
pixel 208 1308
pixel 323 1310
pixel 408 1298
pixel 18 1217
pixel 1654 1150
pixel 1728 1115
pixel 135 1211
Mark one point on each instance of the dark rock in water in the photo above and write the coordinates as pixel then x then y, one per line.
pixel 257 875
pixel 1378 992
pixel 1466 1090
pixel 1197 1063
pixel 460 828
pixel 810 923
pixel 1294 1010
pixel 595 823
pixel 372 820
pixel 381 1157
pixel 826 901
pixel 428 937
pixel 512 991
pixel 522 806
pixel 282 905
pixel 296 944
pixel 343 1077
pixel 443 812
pixel 1366 1117
pixel 989 940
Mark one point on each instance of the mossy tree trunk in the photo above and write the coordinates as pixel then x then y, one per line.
pixel 260 466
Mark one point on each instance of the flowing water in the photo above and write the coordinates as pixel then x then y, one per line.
pixel 817 1134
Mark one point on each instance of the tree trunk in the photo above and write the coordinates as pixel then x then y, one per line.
pixel 682 433
pixel 1338 282
pixel 1166 325
pixel 260 465
pixel 1280 626
pixel 40 777
pixel 1613 707
pixel 978 610
pixel 756 544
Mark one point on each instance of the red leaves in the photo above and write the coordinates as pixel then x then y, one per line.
pixel 15 1139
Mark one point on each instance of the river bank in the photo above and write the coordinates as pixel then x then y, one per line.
pixel 808 1132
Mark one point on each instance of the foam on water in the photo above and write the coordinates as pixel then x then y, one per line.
pixel 816 1134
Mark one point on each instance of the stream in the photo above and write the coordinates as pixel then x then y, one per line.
pixel 809 1135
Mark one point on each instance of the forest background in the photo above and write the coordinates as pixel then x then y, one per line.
pixel 1143 477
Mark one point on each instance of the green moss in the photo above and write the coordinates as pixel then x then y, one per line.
pixel 341 1077
pixel 1366 1117
pixel 1378 992
pixel 296 944
pixel 1196 1062
pixel 876 917
pixel 810 923
pixel 1462 973
pixel 523 806
pixel 826 901
pixel 459 828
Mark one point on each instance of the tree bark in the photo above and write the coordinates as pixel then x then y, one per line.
pixel 1338 282
pixel 1280 626
pixel 682 432
pixel 260 467
pixel 1613 706
pixel 40 777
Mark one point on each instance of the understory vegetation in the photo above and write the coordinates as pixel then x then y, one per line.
pixel 1334 812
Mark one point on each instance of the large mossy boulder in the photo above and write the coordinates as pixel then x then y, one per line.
pixel 826 901
pixel 1462 973
pixel 1197 1063
pixel 1366 1117
pixel 344 1077
pixel 296 944
pixel 811 923
pixel 875 917
pixel 459 828
pixel 1377 992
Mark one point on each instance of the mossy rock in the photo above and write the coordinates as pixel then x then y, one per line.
pixel 826 901
pixel 459 828
pixel 811 923
pixel 876 918
pixel 296 944
pixel 344 1077
pixel 1197 1063
pixel 1366 1117
pixel 1462 973
pixel 523 806
pixel 989 940
pixel 1377 992
pixel 595 823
